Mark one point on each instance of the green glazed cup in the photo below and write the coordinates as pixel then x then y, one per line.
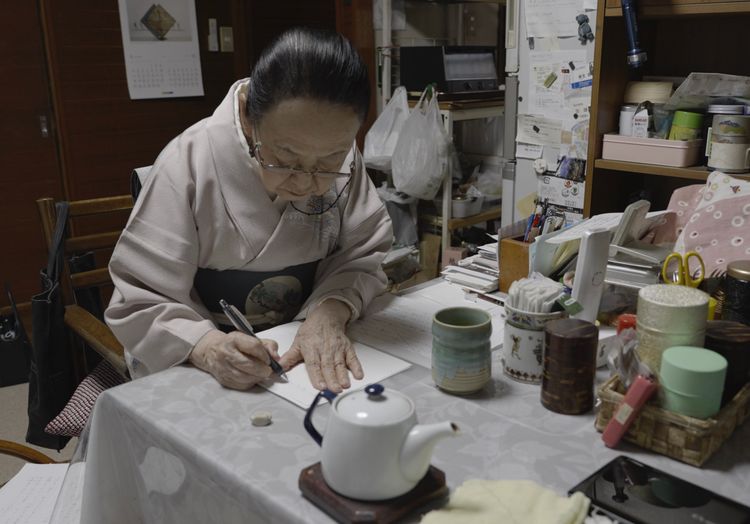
pixel 461 358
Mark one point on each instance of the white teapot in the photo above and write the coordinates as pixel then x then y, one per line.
pixel 373 447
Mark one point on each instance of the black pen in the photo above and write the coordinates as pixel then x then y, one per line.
pixel 241 324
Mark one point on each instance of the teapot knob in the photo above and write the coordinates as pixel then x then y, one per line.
pixel 374 390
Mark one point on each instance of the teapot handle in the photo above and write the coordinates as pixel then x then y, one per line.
pixel 317 437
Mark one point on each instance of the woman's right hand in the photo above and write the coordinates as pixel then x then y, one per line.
pixel 236 360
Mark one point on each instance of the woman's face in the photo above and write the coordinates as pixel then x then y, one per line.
pixel 306 134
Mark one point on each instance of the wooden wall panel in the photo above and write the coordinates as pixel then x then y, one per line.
pixel 266 20
pixel 104 134
pixel 28 161
pixel 354 20
pixel 69 57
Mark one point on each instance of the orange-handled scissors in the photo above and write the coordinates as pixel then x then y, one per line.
pixel 676 269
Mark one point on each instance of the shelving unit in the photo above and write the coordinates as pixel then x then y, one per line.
pixel 452 112
pixel 492 213
pixel 451 115
pixel 680 37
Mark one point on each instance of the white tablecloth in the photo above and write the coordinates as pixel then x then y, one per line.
pixel 177 447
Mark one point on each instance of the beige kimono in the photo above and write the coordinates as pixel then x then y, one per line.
pixel 204 226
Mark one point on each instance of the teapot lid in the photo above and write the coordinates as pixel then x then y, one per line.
pixel 373 406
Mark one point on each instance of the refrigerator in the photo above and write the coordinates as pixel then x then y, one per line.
pixel 519 177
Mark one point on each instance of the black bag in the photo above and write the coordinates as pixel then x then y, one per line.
pixel 15 350
pixel 51 381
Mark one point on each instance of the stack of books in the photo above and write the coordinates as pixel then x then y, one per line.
pixel 478 272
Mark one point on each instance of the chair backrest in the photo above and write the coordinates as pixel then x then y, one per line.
pixel 109 212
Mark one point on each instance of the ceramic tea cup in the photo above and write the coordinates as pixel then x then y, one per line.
pixel 461 359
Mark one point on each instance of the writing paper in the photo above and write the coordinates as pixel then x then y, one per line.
pixel 399 326
pixel 376 365
pixel 29 497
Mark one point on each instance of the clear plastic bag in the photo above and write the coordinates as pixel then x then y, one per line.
pixel 422 154
pixel 382 137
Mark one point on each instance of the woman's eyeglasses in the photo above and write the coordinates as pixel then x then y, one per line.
pixel 284 170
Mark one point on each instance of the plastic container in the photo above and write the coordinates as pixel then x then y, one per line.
pixel 675 153
pixel 627 112
pixel 692 381
pixel 686 126
pixel 466 206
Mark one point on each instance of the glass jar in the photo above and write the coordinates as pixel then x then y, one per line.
pixel 736 304
pixel 718 109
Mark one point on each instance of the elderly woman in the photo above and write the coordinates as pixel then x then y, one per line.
pixel 267 205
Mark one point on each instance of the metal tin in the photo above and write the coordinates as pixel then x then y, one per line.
pixel 732 341
pixel 686 125
pixel 570 347
pixel 736 305
pixel 669 315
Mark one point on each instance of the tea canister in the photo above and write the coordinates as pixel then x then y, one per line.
pixel 731 340
pixel 692 381
pixel 569 366
pixel 686 125
pixel 669 315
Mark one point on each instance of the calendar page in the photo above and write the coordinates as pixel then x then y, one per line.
pixel 160 42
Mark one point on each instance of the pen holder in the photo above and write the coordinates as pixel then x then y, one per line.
pixel 514 261
pixel 523 343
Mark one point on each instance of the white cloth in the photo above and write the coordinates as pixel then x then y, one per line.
pixel 490 501
pixel 204 206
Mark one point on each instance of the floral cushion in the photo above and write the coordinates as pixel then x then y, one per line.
pixel 72 419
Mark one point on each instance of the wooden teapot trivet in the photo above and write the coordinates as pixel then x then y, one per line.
pixel 347 510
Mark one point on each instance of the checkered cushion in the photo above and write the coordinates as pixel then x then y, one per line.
pixel 72 419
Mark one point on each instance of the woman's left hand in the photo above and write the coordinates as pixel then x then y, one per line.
pixel 322 344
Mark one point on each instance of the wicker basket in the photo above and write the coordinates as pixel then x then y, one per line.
pixel 678 436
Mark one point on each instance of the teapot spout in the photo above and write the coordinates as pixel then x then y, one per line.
pixel 417 448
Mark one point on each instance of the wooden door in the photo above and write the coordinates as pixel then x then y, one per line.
pixel 29 164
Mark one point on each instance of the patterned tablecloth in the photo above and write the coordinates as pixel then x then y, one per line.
pixel 177 447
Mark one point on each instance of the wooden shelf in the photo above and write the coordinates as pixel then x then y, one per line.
pixel 690 173
pixel 666 8
pixel 492 213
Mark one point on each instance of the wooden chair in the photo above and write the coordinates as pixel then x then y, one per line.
pixel 13 449
pixel 81 322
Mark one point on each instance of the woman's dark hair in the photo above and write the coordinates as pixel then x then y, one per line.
pixel 313 63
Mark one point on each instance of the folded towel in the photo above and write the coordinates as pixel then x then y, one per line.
pixel 511 502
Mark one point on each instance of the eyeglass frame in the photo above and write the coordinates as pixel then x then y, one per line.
pixel 326 175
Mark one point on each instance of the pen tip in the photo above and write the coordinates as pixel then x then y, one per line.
pixel 284 377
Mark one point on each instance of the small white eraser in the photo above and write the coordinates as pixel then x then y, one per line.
pixel 261 418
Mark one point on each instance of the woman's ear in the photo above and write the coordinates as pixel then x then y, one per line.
pixel 247 127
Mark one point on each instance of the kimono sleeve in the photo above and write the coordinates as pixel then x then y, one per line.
pixel 154 311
